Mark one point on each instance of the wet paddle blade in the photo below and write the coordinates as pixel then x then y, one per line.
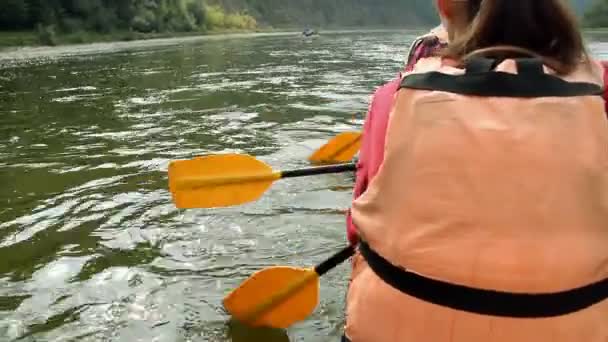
pixel 276 297
pixel 342 148
pixel 219 180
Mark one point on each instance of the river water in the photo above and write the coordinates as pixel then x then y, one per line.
pixel 91 246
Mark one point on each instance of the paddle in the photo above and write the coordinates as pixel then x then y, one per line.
pixel 278 297
pixel 230 179
pixel 340 149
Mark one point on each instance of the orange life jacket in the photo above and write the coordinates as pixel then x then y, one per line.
pixel 488 219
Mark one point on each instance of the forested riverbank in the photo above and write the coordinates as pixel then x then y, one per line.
pixel 597 15
pixel 53 22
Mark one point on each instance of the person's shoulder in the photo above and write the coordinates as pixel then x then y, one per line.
pixel 382 97
pixel 388 87
pixel 437 35
pixel 440 33
pixel 426 45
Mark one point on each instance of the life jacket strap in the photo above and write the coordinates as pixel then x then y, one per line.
pixel 481 301
pixel 480 80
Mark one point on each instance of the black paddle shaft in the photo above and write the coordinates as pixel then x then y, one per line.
pixel 319 170
pixel 335 260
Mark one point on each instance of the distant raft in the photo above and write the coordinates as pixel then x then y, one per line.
pixel 309 33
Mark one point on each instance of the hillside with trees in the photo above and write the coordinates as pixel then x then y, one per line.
pixel 49 19
pixel 336 13
pixel 597 14
pixel 581 6
pixel 52 18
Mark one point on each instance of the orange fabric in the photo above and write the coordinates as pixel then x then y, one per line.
pixel 496 193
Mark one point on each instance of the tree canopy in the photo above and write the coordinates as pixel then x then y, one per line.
pixel 597 14
pixel 188 15
pixel 107 15
pixel 199 15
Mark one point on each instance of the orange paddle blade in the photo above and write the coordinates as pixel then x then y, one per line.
pixel 342 148
pixel 276 297
pixel 219 180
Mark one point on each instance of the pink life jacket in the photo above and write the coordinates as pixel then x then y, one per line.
pixel 488 217
pixel 374 129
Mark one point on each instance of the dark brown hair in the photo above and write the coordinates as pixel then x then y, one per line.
pixel 512 28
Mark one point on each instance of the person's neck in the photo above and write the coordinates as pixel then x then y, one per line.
pixel 455 31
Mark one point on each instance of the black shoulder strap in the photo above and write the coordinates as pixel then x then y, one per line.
pixel 530 66
pixel 479 65
pixel 479 79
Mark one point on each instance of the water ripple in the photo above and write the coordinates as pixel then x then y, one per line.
pixel 93 249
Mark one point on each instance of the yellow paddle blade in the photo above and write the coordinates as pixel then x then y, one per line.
pixel 276 297
pixel 342 148
pixel 219 180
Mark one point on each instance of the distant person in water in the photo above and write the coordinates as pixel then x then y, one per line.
pixel 309 32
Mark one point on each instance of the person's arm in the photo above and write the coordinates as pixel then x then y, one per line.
pixel 605 65
pixel 361 176
pixel 371 153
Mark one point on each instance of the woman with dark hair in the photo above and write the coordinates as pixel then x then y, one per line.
pixel 485 216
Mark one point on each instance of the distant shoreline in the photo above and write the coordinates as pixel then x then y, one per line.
pixel 29 39
pixel 596 30
pixel 10 40
pixel 17 53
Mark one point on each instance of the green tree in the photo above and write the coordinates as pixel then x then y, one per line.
pixel 597 15
pixel 68 16
pixel 14 14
